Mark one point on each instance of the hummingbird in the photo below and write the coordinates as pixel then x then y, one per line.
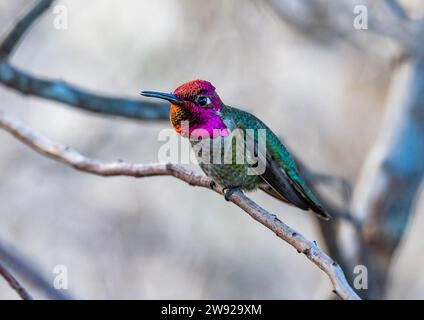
pixel 196 107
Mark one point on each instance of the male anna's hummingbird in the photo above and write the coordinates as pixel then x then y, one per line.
pixel 197 104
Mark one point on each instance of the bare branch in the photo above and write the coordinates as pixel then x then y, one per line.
pixel 62 92
pixel 325 179
pixel 300 243
pixel 315 19
pixel 72 158
pixel 319 20
pixel 390 179
pixel 68 94
pixel 15 35
pixel 27 270
pixel 392 174
pixel 11 280
pixel 397 9
pixel 330 234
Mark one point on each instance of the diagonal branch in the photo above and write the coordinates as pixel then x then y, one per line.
pixel 71 95
pixel 11 257
pixel 18 31
pixel 62 92
pixel 397 9
pixel 11 280
pixel 73 158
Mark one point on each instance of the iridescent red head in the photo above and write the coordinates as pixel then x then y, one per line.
pixel 195 109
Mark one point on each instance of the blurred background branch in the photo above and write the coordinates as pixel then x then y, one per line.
pixel 393 171
pixel 390 179
pixel 15 35
pixel 397 9
pixel 14 284
pixel 70 95
pixel 11 258
pixel 59 90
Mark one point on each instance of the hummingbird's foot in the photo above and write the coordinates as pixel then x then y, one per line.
pixel 212 184
pixel 229 191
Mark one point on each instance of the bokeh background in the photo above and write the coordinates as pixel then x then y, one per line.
pixel 158 238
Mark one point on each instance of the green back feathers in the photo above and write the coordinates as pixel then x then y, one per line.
pixel 278 153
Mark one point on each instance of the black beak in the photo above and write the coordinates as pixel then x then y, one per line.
pixel 161 95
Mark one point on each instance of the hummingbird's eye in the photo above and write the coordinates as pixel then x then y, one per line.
pixel 203 101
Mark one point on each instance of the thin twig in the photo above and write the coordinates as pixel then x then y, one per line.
pixel 28 271
pixel 11 280
pixel 73 158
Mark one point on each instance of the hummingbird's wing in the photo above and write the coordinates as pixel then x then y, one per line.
pixel 281 184
pixel 265 187
pixel 281 174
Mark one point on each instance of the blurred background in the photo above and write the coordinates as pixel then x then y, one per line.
pixel 158 238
